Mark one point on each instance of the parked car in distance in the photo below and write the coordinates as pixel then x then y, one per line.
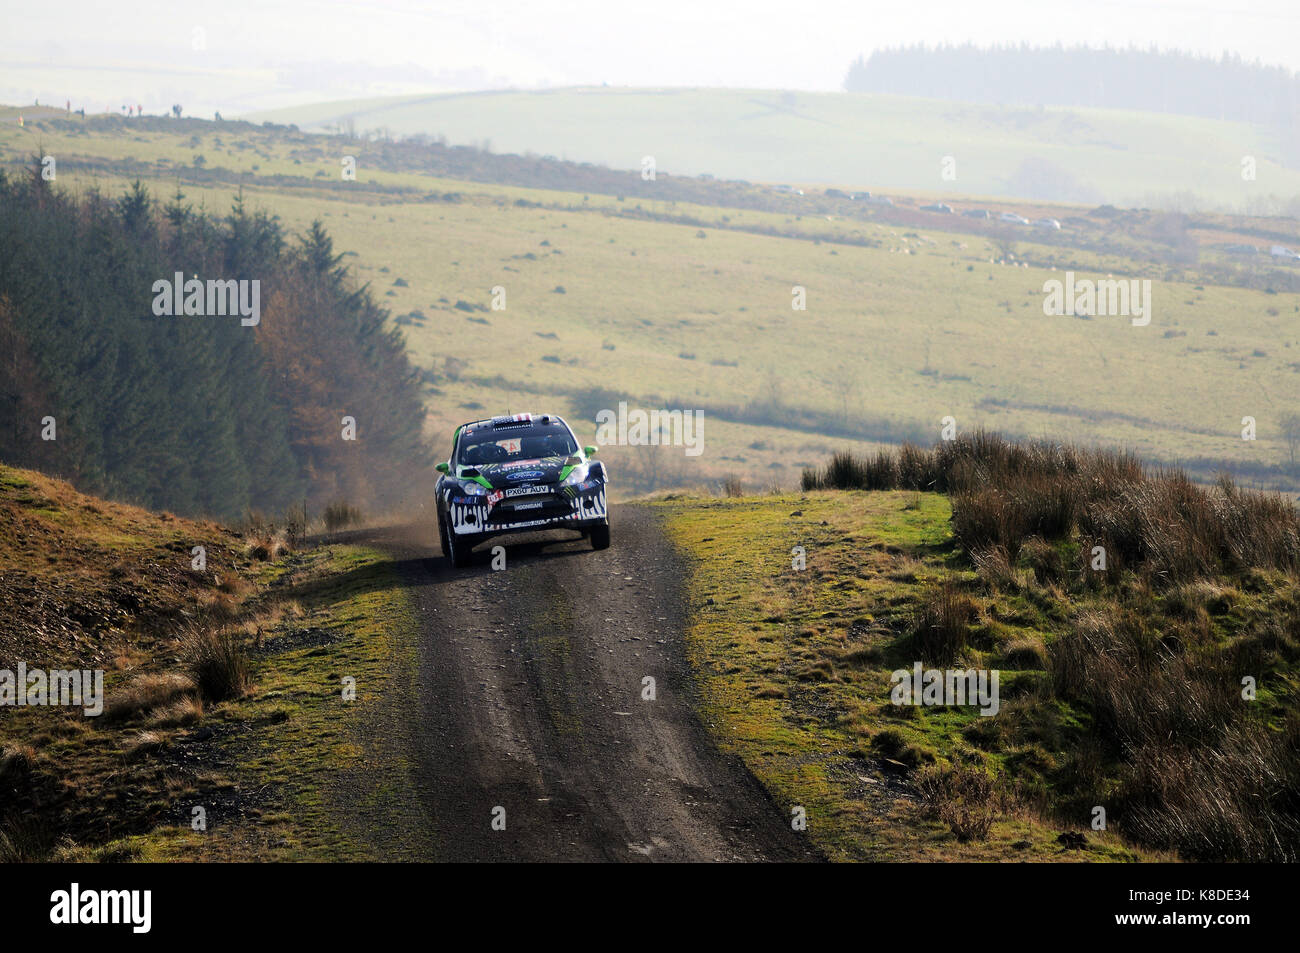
pixel 937 207
pixel 976 213
pixel 1049 223
pixel 1013 218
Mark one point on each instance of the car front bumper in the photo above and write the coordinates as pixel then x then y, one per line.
pixel 478 516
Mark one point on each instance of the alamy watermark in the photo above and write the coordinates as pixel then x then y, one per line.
pixel 640 428
pixel 37 687
pixel 922 686
pixel 1108 297
pixel 133 908
pixel 208 299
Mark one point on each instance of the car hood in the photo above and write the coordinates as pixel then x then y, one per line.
pixel 520 472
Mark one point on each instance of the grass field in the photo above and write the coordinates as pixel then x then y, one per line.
pixel 670 305
pixel 857 140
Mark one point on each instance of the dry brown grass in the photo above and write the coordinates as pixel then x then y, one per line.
pixel 178 714
pixel 147 692
pixel 1201 776
pixel 1026 653
pixel 146 743
pixel 965 798
pixel 340 515
pixel 1007 494
pixel 1201 588
pixel 731 486
pixel 269 547
pixel 994 566
pixel 1236 798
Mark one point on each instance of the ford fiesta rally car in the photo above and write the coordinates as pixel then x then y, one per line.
pixel 514 474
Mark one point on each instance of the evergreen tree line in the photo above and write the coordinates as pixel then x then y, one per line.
pixel 198 415
pixel 1167 81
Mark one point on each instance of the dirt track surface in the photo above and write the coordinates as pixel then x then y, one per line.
pixel 528 697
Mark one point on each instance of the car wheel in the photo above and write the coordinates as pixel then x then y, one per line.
pixel 600 536
pixel 442 537
pixel 459 551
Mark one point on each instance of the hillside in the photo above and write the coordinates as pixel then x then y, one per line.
pixel 853 140
pixel 85 581
pixel 220 685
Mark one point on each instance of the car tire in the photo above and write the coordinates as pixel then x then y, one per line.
pixel 459 551
pixel 600 536
pixel 442 537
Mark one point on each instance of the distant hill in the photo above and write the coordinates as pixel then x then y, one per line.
pixel 1161 81
pixel 863 141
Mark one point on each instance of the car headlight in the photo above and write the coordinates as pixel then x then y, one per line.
pixel 470 488
pixel 576 475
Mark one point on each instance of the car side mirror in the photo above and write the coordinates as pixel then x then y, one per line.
pixel 443 468
pixel 590 451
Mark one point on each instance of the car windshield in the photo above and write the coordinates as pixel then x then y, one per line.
pixel 506 445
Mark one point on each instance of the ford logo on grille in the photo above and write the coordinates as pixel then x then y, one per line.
pixel 526 475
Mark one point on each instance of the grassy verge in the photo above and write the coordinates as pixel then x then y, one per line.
pixel 795 668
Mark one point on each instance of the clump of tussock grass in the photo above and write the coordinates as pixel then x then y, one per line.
pixel 270 538
pixel 217 663
pixel 1239 798
pixel 1044 560
pixel 16 760
pixel 1025 653
pixel 268 547
pixel 731 486
pixel 940 629
pixel 993 565
pixel 964 797
pixel 892 744
pixel 1139 688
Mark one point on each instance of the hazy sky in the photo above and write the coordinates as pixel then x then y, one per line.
pixel 245 54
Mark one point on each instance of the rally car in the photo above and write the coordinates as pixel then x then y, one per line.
pixel 514 474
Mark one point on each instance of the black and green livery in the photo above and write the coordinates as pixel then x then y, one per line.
pixel 518 473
